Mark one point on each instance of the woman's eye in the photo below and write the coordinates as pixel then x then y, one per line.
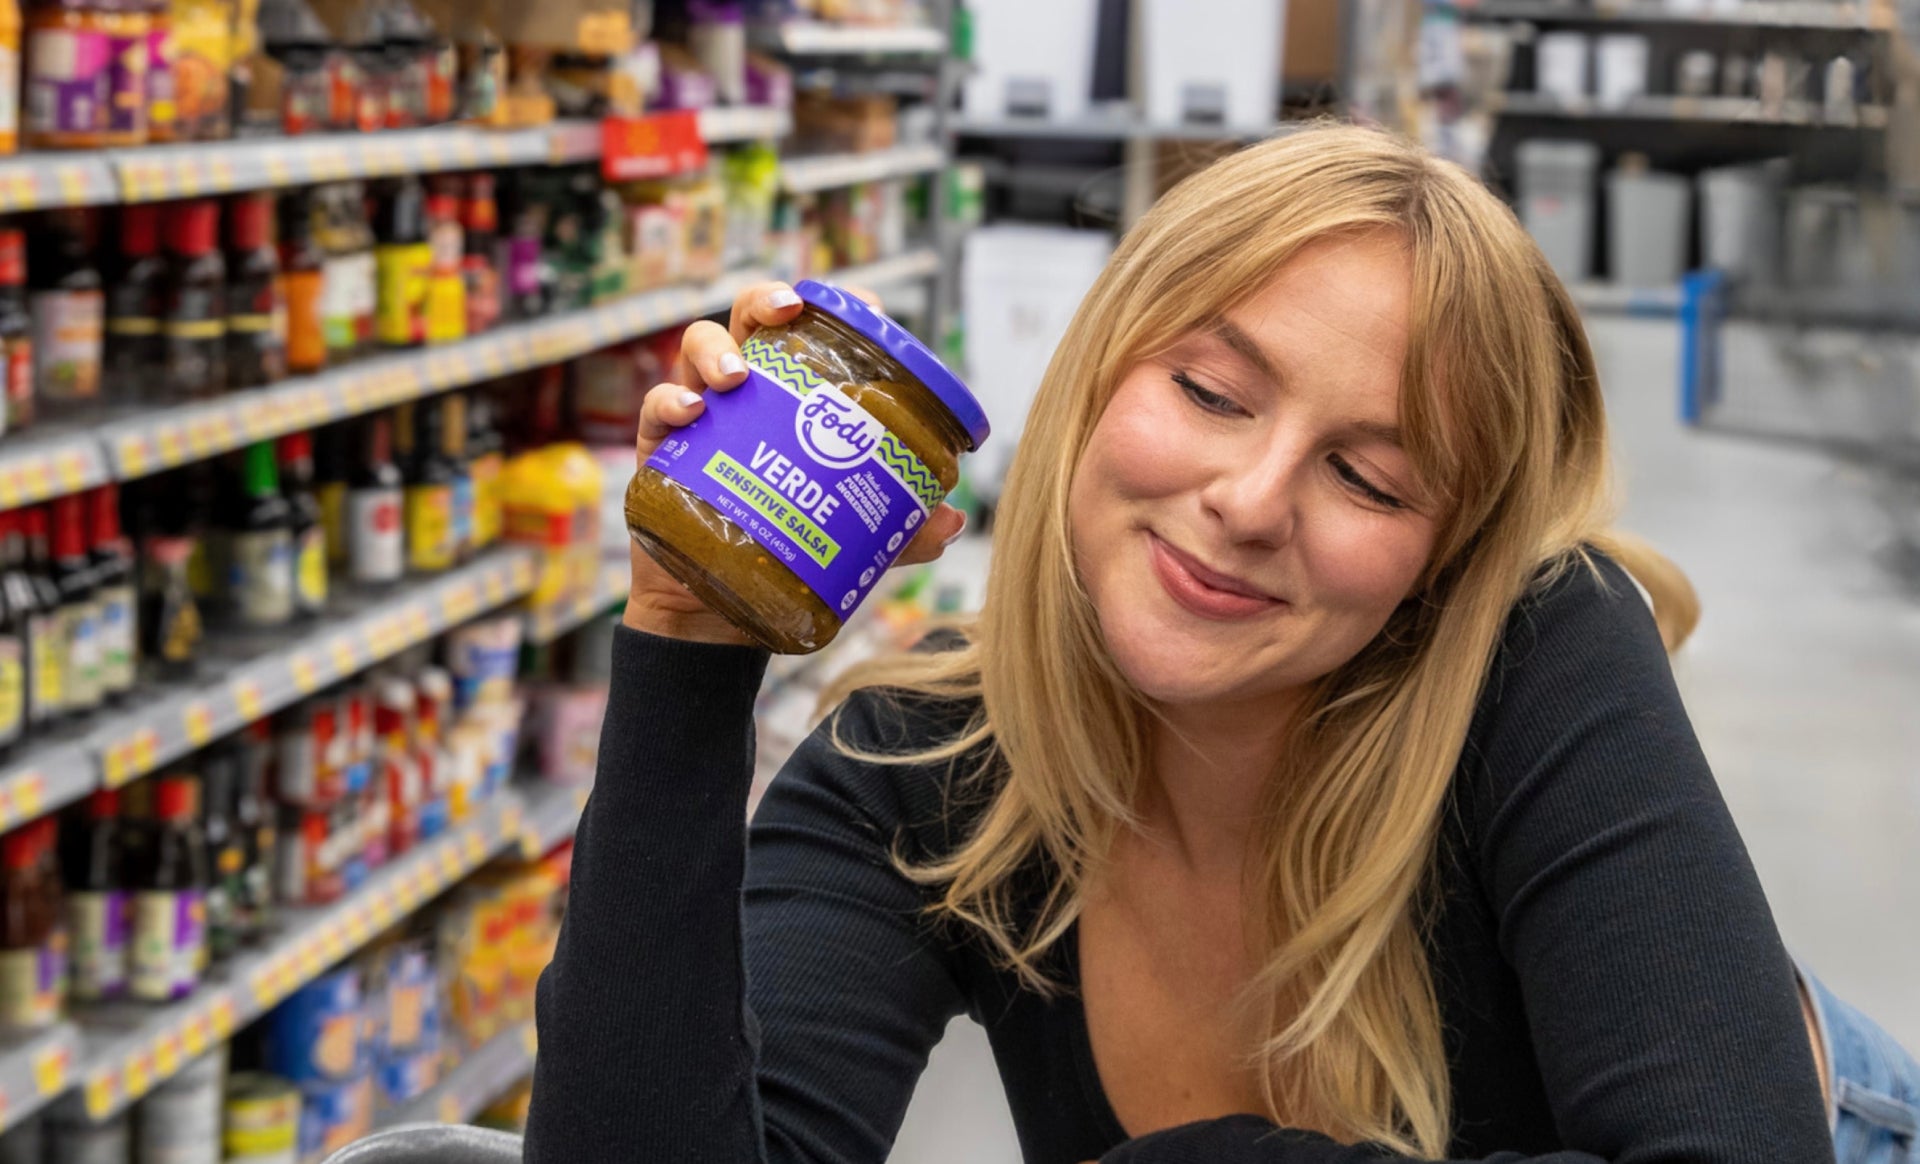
pixel 1206 398
pixel 1364 487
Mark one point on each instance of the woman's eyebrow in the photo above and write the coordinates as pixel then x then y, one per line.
pixel 1245 346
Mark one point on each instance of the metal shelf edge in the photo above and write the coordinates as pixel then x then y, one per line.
pixel 35 1070
pixel 808 175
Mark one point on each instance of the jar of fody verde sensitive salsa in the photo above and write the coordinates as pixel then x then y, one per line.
pixel 789 497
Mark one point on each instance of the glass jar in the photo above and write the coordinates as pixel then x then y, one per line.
pixel 789 497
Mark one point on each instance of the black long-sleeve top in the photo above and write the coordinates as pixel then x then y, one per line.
pixel 1610 981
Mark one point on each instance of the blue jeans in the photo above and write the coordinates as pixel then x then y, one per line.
pixel 1875 1109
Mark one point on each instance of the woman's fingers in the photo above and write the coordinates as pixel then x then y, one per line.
pixel 708 358
pixel 935 536
pixel 762 305
pixel 666 407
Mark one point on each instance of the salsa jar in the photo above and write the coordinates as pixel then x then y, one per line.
pixel 790 495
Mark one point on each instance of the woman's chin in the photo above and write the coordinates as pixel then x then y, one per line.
pixel 1177 670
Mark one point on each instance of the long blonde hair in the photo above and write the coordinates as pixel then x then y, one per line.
pixel 1502 412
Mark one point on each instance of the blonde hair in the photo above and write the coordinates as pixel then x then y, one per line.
pixel 1502 413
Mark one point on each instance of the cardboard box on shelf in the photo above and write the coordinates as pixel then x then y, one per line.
pixel 601 28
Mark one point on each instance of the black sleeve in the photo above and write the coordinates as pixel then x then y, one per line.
pixel 673 1028
pixel 1665 1018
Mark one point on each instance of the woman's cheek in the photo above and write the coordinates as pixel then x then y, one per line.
pixel 1146 442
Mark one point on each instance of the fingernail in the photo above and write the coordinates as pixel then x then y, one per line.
pixel 689 399
pixel 955 535
pixel 732 365
pixel 783 297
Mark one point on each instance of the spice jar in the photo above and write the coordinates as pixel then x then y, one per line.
pixel 782 505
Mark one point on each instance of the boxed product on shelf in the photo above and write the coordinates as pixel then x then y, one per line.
pixel 825 122
pixel 551 499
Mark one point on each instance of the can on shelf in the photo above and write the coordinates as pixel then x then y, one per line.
pixel 262 1120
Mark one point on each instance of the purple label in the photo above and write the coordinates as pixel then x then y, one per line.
pixel 127 91
pixel 169 943
pixel 810 475
pixel 523 265
pixel 69 81
pixel 100 928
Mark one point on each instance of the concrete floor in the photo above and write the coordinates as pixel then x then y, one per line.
pixel 1803 683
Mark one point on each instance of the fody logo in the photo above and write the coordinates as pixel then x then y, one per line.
pixel 834 430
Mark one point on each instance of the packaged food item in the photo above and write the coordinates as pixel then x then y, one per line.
pixel 550 499
pixel 136 303
pixel 256 339
pixel 479 262
pixel 303 285
pixel 72 1138
pixel 375 502
pixel 16 335
pixel 261 565
pixel 445 301
pixel 79 612
pixel 315 1035
pixel 786 500
pixel 179 1120
pixel 334 1115
pixel 194 327
pixel 404 260
pixel 69 56
pixel 350 280
pixel 32 950
pixel 169 905
pixel 262 1120
pixel 10 30
pixel 69 315
pixel 129 27
pixel 202 40
pixel 113 576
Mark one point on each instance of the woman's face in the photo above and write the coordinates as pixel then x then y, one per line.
pixel 1244 518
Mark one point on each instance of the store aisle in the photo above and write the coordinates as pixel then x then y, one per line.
pixel 1802 682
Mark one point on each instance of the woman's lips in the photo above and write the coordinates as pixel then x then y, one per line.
pixel 1204 592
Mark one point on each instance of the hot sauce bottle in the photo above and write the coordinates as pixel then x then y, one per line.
pixel 195 325
pixel 16 334
pixel 303 285
pixel 256 320
pixel 136 301
pixel 98 924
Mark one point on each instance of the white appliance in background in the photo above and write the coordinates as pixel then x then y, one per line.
pixel 1561 61
pixel 1212 62
pixel 1620 68
pixel 1032 59
pixel 1021 285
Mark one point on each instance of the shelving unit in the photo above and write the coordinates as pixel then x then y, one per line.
pixel 809 175
pixel 1728 110
pixel 1111 128
pixel 803 39
pixel 1789 14
pixel 552 813
pixel 482 1077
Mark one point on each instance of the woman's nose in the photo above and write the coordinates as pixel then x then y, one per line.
pixel 1254 493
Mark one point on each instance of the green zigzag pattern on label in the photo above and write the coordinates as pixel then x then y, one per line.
pixel 777 363
pixel 913 474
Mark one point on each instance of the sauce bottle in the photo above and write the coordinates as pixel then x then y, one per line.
pixel 128 26
pixel 46 644
pixel 309 532
pixel 453 446
pixel 9 76
pixel 303 285
pixel 114 593
pixel 226 852
pixel 79 612
pixel 351 296
pixel 431 484
pixel 403 259
pixel 260 562
pixel 169 904
pixel 29 993
pixel 13 648
pixel 69 310
pixel 486 458
pixel 256 319
pixel 69 58
pixel 330 491
pixel 195 324
pixel 254 819
pixel 98 925
pixel 375 500
pixel 479 265
pixel 169 623
pixel 446 301
pixel 136 301
pixel 16 334
pixel 163 93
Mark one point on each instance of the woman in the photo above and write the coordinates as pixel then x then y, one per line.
pixel 1312 777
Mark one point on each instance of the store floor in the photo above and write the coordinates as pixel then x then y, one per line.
pixel 1803 683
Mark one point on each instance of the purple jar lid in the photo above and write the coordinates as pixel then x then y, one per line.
pixel 899 343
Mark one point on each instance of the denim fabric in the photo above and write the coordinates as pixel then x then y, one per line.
pixel 1875 1110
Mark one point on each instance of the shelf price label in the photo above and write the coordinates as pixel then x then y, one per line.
pixel 199 721
pixel 166 1055
pixel 197 1035
pixel 246 695
pixel 29 794
pixel 100 1091
pixel 138 1071
pixel 50 1066
pixel 223 1017
pixel 657 145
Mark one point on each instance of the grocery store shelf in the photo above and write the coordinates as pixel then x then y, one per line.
pixel 1107 128
pixel 744 123
pixel 549 622
pixel 808 39
pixel 128 1049
pixel 160 439
pixel 902 268
pixel 1794 14
pixel 34 1069
pixel 806 175
pixel 358 632
pixel 46 776
pixel 36 465
pixel 480 1078
pixel 33 181
pixel 1610 298
pixel 1729 110
pixel 552 813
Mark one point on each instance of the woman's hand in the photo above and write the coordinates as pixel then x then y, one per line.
pixel 710 360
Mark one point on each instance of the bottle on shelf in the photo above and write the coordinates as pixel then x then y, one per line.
pixel 136 303
pixel 259 544
pixel 16 333
pixel 303 284
pixel 163 94
pixel 254 819
pixel 479 263
pixel 349 278
pixel 330 483
pixel 375 509
pixel 31 970
pixel 14 608
pixel 257 322
pixel 47 651
pixel 486 459
pixel 128 26
pixel 445 309
pixel 195 324
pixel 79 611
pixel 10 30
pixel 309 531
pixel 453 448
pixel 98 920
pixel 226 851
pixel 169 623
pixel 113 575
pixel 69 310
pixel 169 905
pixel 432 480
pixel 404 259
pixel 403 783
